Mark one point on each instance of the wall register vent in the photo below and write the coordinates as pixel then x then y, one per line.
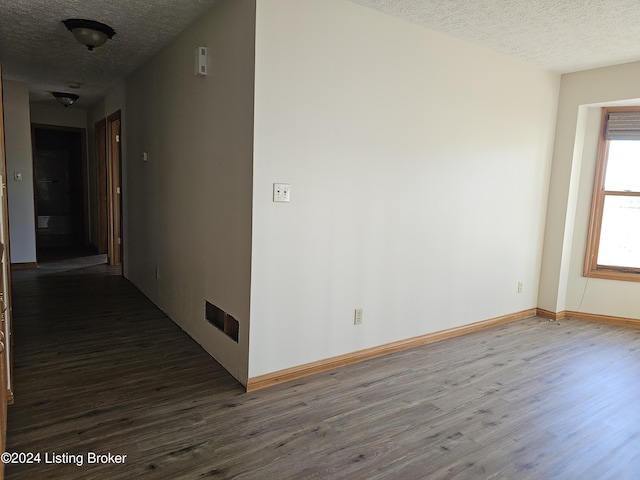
pixel 222 321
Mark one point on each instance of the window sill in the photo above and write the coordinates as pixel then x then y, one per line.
pixel 610 274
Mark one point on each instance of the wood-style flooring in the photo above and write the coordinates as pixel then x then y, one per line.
pixel 99 369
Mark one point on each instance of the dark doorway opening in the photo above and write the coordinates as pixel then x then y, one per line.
pixel 60 191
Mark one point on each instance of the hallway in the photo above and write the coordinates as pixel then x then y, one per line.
pixel 99 368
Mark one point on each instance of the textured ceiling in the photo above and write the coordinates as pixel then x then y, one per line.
pixel 558 35
pixel 36 48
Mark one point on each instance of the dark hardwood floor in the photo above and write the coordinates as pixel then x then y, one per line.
pixel 99 369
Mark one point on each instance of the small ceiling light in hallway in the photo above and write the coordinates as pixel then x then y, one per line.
pixel 66 99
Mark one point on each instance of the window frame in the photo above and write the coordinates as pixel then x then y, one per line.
pixel 591 267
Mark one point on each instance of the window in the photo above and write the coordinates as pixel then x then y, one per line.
pixel 613 242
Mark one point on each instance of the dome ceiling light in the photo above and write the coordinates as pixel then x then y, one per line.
pixel 66 99
pixel 89 33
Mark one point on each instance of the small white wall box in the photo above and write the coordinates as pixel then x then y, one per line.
pixel 201 61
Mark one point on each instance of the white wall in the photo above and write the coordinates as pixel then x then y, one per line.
pixel 17 123
pixel 562 285
pixel 419 168
pixel 189 206
pixel 94 115
pixel 58 115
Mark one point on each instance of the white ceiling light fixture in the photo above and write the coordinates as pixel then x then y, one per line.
pixel 89 33
pixel 65 99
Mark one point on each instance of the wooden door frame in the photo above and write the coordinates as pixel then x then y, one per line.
pixel 83 174
pixel 102 191
pixel 114 187
pixel 6 390
pixel 7 252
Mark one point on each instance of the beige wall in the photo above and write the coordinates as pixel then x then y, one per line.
pixel 58 115
pixel 562 286
pixel 94 115
pixel 17 124
pixel 419 169
pixel 189 206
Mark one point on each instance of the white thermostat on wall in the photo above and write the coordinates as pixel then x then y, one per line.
pixel 201 61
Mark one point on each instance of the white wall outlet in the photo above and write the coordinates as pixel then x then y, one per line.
pixel 281 192
pixel 519 287
pixel 357 317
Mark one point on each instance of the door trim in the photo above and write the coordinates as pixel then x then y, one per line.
pixel 114 187
pixel 6 385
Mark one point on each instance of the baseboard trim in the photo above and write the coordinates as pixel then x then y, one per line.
pixel 293 373
pixel 24 266
pixel 608 319
pixel 589 317
pixel 541 312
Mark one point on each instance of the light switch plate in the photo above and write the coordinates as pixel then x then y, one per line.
pixel 281 192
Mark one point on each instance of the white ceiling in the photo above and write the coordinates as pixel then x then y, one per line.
pixel 559 35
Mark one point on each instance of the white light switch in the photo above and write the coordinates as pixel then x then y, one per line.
pixel 17 176
pixel 281 192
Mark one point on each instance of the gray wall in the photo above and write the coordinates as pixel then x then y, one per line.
pixel 189 206
pixel 17 126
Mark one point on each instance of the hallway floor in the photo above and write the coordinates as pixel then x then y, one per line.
pixel 58 259
pixel 98 368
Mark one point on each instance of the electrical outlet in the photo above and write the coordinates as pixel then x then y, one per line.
pixel 357 317
pixel 519 287
pixel 281 192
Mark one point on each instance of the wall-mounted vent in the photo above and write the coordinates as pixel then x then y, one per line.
pixel 222 321
pixel 201 61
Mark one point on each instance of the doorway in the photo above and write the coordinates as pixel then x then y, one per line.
pixel 114 168
pixel 108 188
pixel 60 194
